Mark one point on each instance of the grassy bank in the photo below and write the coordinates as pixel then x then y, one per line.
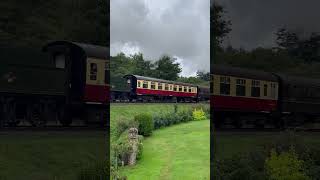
pixel 178 152
pixel 127 111
pixel 49 155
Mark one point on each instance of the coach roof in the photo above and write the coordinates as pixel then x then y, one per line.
pixel 244 73
pixel 88 49
pixel 159 80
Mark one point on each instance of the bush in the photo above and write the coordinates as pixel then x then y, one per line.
pixel 163 120
pixel 285 165
pixel 238 167
pixel 198 115
pixel 96 171
pixel 124 124
pixel 146 124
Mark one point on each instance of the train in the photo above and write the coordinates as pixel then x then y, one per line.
pixel 242 97
pixel 62 81
pixel 136 88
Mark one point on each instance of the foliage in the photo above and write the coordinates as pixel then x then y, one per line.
pixel 307 49
pixel 97 171
pixel 123 148
pixel 168 119
pixel 166 68
pixel 286 166
pixel 198 115
pixel 249 166
pixel 146 124
pixel 123 124
pixel 33 24
pixel 220 27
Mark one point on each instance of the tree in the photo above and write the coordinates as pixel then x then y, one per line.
pixel 220 27
pixel 166 68
pixel 307 49
pixel 203 75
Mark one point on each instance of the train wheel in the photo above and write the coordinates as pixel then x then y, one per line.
pixel 10 114
pixel 64 116
pixel 36 117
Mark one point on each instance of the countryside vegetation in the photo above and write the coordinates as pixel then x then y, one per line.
pixel 25 26
pixel 286 155
pixel 172 139
pixel 165 67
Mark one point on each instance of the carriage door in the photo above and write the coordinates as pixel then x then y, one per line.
pixel 96 90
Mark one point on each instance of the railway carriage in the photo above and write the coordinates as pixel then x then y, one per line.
pixel 73 83
pixel 152 89
pixel 238 92
pixel 239 96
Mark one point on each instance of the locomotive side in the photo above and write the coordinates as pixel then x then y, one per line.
pixel 75 86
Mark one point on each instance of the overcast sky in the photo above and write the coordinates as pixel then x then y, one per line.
pixel 179 28
pixel 255 21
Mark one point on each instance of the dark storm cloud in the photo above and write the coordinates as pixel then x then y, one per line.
pixel 254 22
pixel 175 27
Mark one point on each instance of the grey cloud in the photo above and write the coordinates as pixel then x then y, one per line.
pixel 175 27
pixel 256 21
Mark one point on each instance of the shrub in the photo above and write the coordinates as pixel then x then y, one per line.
pixel 198 115
pixel 238 167
pixel 96 171
pixel 123 124
pixel 146 124
pixel 285 165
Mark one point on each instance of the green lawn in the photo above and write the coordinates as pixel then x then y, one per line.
pixel 178 152
pixel 49 155
pixel 129 110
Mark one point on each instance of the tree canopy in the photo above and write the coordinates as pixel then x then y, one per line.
pixel 165 67
pixel 33 23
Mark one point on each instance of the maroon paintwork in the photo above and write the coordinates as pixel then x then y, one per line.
pixel 96 93
pixel 232 103
pixel 164 93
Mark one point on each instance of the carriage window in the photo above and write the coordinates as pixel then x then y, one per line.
pixel 241 87
pixel 225 85
pixel 255 89
pixel 175 88
pixel 265 90
pixel 139 83
pixel 145 84
pixel 180 89
pixel 186 89
pixel 189 90
pixel 153 85
pixel 60 61
pixel 166 87
pixel 93 71
pixel 160 86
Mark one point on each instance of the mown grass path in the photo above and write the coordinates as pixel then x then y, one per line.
pixel 178 152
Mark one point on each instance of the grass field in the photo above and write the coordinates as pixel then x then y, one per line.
pixel 178 152
pixel 127 111
pixel 49 155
